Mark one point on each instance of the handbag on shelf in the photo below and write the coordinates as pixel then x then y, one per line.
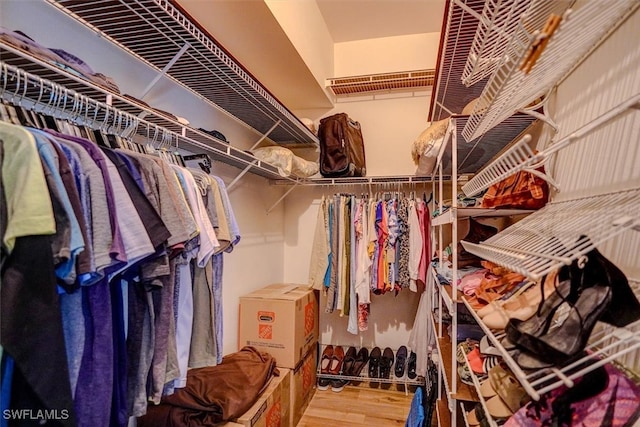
pixel 522 190
pixel 472 231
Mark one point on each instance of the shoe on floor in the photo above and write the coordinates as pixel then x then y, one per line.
pixel 324 383
pixel 338 385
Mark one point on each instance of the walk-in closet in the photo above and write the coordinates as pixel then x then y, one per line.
pixel 325 212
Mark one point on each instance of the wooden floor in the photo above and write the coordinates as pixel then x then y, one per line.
pixel 357 407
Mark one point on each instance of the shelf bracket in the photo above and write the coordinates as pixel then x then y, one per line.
pixel 542 175
pixel 544 116
pixel 262 138
pixel 157 78
pixel 277 202
pixel 241 174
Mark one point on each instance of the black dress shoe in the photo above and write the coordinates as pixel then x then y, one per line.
pixel 374 363
pixel 401 361
pixel 411 366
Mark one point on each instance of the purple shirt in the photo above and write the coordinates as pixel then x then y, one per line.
pixel 117 246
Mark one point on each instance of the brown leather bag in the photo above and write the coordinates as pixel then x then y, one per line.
pixel 341 147
pixel 523 190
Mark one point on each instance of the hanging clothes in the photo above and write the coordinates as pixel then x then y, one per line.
pixel 366 246
pixel 124 242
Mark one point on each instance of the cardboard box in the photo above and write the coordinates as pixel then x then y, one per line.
pixel 280 319
pixel 272 407
pixel 303 385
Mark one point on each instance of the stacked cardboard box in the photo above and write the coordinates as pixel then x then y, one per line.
pixel 272 407
pixel 282 319
pixel 303 385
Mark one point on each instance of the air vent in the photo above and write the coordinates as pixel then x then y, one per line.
pixel 386 82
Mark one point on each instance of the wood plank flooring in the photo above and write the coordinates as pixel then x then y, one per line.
pixel 357 407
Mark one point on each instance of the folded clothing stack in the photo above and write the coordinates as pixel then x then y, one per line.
pixel 58 57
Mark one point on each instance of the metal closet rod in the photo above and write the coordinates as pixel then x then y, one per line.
pixel 27 90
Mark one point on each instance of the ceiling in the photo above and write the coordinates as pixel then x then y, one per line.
pixel 265 50
pixel 349 20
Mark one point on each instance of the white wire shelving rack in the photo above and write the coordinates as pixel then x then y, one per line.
pixel 187 137
pixel 522 157
pixel 471 157
pixel 33 92
pixel 483 402
pixel 497 25
pixel 605 345
pixel 561 232
pixel 162 36
pixel 450 95
pixel 511 89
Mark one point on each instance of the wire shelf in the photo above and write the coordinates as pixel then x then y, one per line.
pixel 521 157
pixel 156 32
pixel 483 402
pixel 605 345
pixel 511 89
pixel 364 180
pixel 475 155
pixel 560 233
pixel 463 391
pixel 449 94
pixel 497 26
pixel 34 92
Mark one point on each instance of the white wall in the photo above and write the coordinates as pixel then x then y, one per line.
pixel 305 27
pixel 258 259
pixel 607 159
pixel 387 54
pixel 390 123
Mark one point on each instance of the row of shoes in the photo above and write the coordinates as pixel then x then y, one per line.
pixel 502 392
pixel 549 323
pixel 379 363
pixel 604 396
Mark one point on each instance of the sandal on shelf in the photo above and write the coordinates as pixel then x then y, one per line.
pixel 325 360
pixel 349 361
pixel 361 360
pixel 508 388
pixel 386 362
pixel 411 366
pixel 464 348
pixel 465 375
pixel 374 363
pixel 401 362
pixel 487 349
pixel 336 360
pixel 486 390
